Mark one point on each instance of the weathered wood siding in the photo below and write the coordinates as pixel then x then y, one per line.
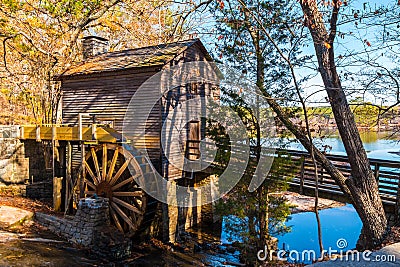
pixel 107 96
pixel 175 141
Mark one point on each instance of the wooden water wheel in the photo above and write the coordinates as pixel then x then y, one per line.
pixel 110 171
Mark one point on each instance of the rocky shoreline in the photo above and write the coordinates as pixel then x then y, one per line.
pixel 303 203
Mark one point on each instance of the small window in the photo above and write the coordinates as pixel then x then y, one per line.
pixel 193 140
pixel 6 134
pixel 194 89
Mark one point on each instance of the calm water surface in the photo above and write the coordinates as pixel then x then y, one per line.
pixel 337 223
pixel 377 145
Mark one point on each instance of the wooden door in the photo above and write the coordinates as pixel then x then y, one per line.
pixel 193 144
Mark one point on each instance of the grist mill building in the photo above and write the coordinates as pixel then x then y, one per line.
pixel 101 87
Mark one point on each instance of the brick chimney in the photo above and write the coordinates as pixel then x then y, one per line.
pixel 93 46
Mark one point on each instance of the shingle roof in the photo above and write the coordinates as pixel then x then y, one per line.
pixel 157 55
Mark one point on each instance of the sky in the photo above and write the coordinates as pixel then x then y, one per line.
pixel 355 39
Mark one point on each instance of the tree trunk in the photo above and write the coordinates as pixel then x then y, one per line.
pixel 361 188
pixel 262 215
pixel 263 212
pixel 362 184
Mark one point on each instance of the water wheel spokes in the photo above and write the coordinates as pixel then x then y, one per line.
pixel 110 171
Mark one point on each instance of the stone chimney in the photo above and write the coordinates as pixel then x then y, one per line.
pixel 93 46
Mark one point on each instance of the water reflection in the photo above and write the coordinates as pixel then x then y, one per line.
pixel 340 222
pixel 337 223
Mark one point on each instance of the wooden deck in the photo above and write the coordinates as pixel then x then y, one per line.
pixel 94 133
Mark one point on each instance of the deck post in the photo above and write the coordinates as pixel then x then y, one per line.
pixel 376 172
pixel 397 204
pixel 69 184
pixel 301 191
pixel 82 143
pixel 38 139
pixel 94 135
pixel 57 187
pixel 83 169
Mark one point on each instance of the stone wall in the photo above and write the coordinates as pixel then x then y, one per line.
pixel 183 218
pixel 90 228
pixel 184 214
pixel 40 190
pixel 14 165
pixel 208 210
pixel 22 166
pixel 36 153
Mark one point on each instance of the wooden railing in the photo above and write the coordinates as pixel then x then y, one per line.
pixel 387 174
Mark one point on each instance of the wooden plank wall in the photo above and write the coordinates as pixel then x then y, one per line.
pixel 107 95
pixel 173 99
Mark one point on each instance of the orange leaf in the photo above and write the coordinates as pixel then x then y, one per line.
pixel 327 45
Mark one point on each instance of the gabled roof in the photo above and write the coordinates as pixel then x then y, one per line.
pixel 157 55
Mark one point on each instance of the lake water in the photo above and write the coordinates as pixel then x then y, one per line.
pixel 339 225
pixel 378 145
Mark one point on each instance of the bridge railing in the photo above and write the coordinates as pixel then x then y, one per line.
pixel 387 173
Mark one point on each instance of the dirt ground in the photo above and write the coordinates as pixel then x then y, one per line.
pixel 30 244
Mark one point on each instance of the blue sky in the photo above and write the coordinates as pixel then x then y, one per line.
pixel 357 40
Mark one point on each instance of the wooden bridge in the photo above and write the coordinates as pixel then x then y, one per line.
pixel 387 174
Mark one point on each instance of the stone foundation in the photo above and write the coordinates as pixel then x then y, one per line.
pixel 24 170
pixel 14 165
pixel 90 228
pixel 40 190
pixel 180 219
pixel 39 156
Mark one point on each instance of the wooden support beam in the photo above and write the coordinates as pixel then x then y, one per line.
pixel 69 183
pixel 37 132
pixel 83 170
pixel 57 187
pixel 302 176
